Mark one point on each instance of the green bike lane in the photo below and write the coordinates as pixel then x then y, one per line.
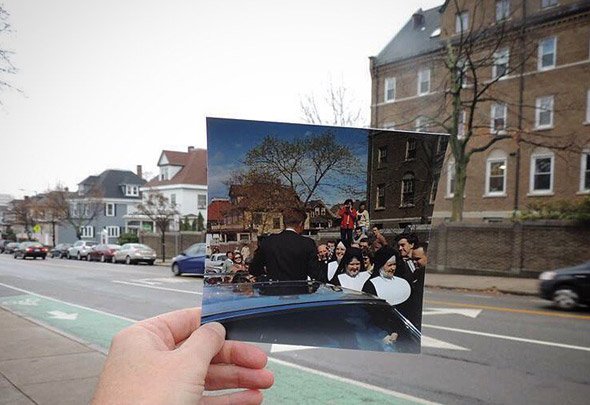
pixel 294 384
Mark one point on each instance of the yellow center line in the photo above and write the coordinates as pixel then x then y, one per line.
pixel 513 310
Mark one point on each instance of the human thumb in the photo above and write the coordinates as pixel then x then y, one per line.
pixel 203 344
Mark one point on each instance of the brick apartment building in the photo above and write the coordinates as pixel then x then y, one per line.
pixel 539 105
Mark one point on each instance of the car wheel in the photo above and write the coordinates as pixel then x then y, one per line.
pixel 151 262
pixel 176 270
pixel 127 260
pixel 43 257
pixel 15 256
pixel 78 256
pixel 565 298
pixel 102 259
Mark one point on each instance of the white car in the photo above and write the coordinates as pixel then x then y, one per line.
pixel 80 249
pixel 215 261
pixel 133 253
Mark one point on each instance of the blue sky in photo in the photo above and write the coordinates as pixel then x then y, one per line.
pixel 228 141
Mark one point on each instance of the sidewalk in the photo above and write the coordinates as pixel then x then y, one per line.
pixel 41 366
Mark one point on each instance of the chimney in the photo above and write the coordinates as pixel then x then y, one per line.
pixel 191 148
pixel 139 171
pixel 418 19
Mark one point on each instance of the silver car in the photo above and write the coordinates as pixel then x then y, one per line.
pixel 80 249
pixel 133 253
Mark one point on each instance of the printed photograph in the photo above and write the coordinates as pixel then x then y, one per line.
pixel 318 235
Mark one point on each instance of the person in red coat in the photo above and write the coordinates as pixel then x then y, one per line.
pixel 347 216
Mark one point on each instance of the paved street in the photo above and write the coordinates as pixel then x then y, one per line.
pixel 477 347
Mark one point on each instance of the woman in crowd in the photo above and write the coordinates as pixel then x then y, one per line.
pixel 339 252
pixel 351 272
pixel 368 261
pixel 384 284
pixel 238 263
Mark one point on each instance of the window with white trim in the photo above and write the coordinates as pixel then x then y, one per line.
pixel 113 231
pixel 498 114
pixel 87 231
pixel 461 125
pixel 201 201
pixel 461 22
pixel 544 112
pixel 500 67
pixel 410 149
pixel 496 173
pixel 407 197
pixel 542 168
pixel 382 156
pixel 380 200
pixel 548 3
pixel 451 178
pixel 389 89
pixel 421 124
pixel 423 82
pixel 547 53
pixel 131 190
pixel 74 210
pixel 502 10
pixel 109 209
pixel 585 171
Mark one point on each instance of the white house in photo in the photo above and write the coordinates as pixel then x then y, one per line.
pixel 183 180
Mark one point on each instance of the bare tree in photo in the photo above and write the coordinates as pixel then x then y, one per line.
pixel 309 165
pixel 336 106
pixel 159 209
pixel 22 212
pixel 7 68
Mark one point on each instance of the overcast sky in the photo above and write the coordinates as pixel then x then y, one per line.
pixel 109 84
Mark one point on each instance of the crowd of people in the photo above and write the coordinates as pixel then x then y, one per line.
pixel 361 260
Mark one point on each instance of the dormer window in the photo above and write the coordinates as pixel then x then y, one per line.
pixel 164 174
pixel 131 191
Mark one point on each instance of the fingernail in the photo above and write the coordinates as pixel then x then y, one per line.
pixel 219 329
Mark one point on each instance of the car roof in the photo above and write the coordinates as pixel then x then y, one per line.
pixel 230 298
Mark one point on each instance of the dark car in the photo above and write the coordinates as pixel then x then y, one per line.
pixel 567 287
pixel 309 313
pixel 11 247
pixel 60 250
pixel 102 253
pixel 3 243
pixel 30 249
pixel 191 260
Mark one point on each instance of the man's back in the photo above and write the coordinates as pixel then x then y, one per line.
pixel 286 256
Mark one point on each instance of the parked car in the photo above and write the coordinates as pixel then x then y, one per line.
pixel 3 243
pixel 133 253
pixel 191 260
pixel 102 253
pixel 60 250
pixel 30 249
pixel 80 249
pixel 215 261
pixel 567 287
pixel 10 247
pixel 308 313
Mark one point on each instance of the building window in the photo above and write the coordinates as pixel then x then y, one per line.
pixel 389 89
pixel 87 231
pixel 502 10
pixel 544 112
pixel 109 209
pixel 408 190
pixel 410 149
pixel 423 81
pixel 420 124
pixel 276 223
pixel 498 113
pixel 382 156
pixel 585 171
pixel 173 199
pixel 113 231
pixel 201 201
pixel 547 51
pixel 131 191
pixel 461 71
pixel 164 173
pixel 548 3
pixel 541 181
pixel 500 67
pixel 257 218
pixel 461 22
pixel 380 200
pixel 451 178
pixel 496 173
pixel 461 125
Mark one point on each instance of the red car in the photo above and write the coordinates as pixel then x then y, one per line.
pixel 102 253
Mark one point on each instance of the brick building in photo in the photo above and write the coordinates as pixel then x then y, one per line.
pixel 533 122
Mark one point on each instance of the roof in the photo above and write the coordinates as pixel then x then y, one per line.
pixel 410 41
pixel 194 168
pixel 216 209
pixel 110 181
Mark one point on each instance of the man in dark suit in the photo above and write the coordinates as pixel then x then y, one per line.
pixel 413 274
pixel 287 255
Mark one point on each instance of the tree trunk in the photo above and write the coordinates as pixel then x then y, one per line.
pixel 459 192
pixel 163 244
